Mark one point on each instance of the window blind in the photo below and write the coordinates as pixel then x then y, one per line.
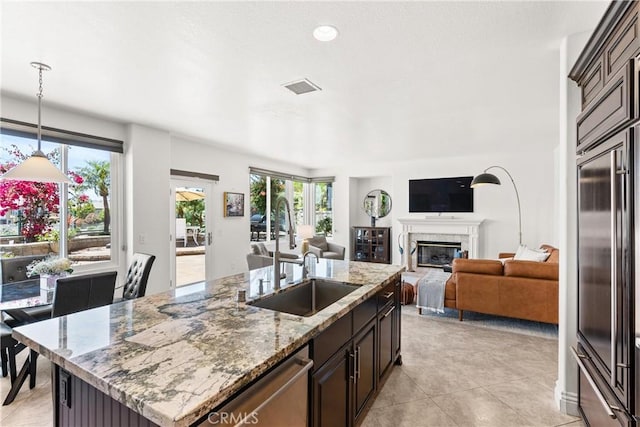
pixel 281 175
pixel 30 130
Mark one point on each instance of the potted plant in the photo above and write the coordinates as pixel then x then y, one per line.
pixel 49 270
pixel 53 237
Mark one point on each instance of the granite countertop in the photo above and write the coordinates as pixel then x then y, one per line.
pixel 174 356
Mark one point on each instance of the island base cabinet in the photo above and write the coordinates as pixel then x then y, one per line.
pixel 346 383
pixel 364 351
pixel 397 325
pixel 364 345
pixel 77 403
pixel 386 321
pixel 331 388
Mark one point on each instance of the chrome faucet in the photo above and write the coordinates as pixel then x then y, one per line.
pixel 292 241
pixel 305 272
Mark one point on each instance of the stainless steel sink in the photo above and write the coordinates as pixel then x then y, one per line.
pixel 306 298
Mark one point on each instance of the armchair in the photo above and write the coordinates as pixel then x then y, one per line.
pixel 319 246
pixel 260 256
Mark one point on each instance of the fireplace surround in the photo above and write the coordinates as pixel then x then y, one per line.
pixel 442 229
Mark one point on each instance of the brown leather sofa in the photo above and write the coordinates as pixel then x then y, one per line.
pixel 520 289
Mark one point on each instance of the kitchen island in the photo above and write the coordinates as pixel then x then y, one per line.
pixel 175 356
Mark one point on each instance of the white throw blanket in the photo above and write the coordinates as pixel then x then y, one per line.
pixel 431 290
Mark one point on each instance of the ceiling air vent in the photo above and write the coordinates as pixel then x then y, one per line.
pixel 302 86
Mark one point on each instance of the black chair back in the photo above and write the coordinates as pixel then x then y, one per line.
pixel 78 293
pixel 15 269
pixel 135 285
pixel 103 286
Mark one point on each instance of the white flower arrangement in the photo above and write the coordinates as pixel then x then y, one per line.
pixel 52 266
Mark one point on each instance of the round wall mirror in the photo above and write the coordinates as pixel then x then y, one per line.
pixel 377 204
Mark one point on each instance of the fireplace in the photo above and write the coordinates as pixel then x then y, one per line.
pixel 461 231
pixel 436 254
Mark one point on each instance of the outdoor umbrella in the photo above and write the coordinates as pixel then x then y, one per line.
pixel 185 195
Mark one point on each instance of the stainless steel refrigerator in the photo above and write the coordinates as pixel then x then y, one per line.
pixel 608 350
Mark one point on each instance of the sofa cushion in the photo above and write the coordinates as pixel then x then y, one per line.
pixel 531 269
pixel 480 266
pixel 255 249
pixel 530 299
pixel 479 294
pixel 319 242
pixel 527 254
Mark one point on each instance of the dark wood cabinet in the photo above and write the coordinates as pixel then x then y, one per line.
pixel 608 72
pixel 365 372
pixel 343 386
pixel 367 342
pixel 389 328
pixel 385 358
pixel 593 82
pixel 331 389
pixel 612 108
pixel 372 244
pixel 623 44
pixel 397 323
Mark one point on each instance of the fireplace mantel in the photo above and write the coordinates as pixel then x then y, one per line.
pixel 439 225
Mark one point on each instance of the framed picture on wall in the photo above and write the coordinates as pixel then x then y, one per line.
pixel 233 204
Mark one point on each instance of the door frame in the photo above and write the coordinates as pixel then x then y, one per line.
pixel 207 186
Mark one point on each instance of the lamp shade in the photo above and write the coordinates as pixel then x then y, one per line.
pixel 485 178
pixel 306 231
pixel 36 168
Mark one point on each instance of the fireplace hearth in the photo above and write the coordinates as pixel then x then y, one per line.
pixel 436 254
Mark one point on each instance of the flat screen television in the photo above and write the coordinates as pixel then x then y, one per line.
pixel 441 195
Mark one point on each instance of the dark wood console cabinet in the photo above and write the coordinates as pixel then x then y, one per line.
pixel 372 244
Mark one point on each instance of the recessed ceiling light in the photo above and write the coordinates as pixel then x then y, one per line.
pixel 325 33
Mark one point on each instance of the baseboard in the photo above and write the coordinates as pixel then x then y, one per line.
pixel 567 402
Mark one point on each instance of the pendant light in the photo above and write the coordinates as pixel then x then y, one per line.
pixel 37 167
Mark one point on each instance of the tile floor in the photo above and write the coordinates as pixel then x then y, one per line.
pixel 453 374
pixel 457 374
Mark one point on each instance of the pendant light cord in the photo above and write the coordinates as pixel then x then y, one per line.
pixel 39 95
pixel 41 67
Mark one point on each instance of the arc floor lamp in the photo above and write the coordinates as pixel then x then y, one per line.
pixel 488 178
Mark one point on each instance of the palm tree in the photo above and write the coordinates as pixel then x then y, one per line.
pixel 97 176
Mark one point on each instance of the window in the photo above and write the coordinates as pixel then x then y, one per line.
pixel 34 215
pixel 323 212
pixel 298 202
pixel 264 192
pixel 266 186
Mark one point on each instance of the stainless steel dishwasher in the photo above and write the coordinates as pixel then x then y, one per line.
pixel 275 400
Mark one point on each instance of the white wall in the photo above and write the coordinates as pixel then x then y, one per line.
pixel 533 172
pixel 360 217
pixel 146 180
pixel 230 235
pixel 59 117
pixel 566 391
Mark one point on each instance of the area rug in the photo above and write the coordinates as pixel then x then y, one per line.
pixel 479 320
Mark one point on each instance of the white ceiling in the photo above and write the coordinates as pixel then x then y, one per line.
pixel 403 80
